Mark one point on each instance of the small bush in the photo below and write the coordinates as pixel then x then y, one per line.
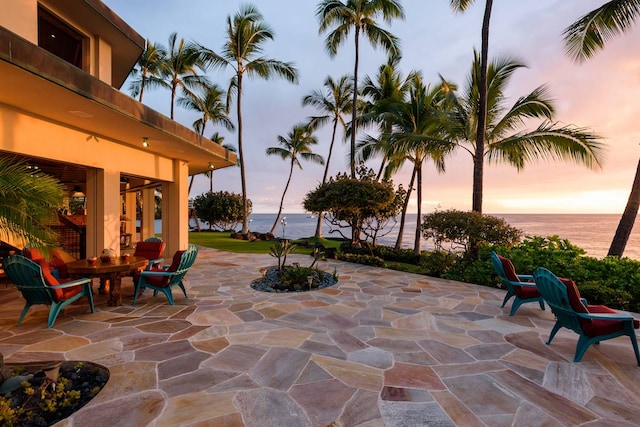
pixel 436 263
pixel 362 259
pixel 596 294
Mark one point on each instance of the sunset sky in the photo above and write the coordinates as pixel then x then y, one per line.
pixel 601 94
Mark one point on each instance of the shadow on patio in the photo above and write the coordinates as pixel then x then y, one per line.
pixel 380 348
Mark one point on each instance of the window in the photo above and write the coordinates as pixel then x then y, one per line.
pixel 57 37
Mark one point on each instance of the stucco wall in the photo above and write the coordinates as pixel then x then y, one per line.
pixel 20 17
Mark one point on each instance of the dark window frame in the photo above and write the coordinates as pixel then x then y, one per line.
pixel 61 39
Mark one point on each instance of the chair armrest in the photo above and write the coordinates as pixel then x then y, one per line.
pixel 71 284
pixel 623 315
pixel 524 284
pixel 156 273
pixel 153 262
pixel 55 273
pixel 525 277
pixel 584 301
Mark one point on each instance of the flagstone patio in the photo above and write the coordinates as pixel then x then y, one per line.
pixel 381 348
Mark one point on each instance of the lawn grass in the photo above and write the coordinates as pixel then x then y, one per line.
pixel 224 242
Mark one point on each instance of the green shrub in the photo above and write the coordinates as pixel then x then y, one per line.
pixel 596 294
pixel 362 259
pixel 437 263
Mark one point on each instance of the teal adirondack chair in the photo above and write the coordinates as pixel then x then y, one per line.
pixel 163 279
pixel 594 323
pixel 519 286
pixel 39 286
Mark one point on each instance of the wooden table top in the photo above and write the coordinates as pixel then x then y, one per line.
pixel 82 266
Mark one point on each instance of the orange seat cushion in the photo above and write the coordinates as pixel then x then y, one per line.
pixel 58 295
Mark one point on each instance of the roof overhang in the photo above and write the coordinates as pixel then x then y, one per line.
pixel 40 84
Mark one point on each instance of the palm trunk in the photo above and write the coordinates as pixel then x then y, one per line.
pixel 354 114
pixel 318 233
pixel 243 180
pixel 416 244
pixel 174 87
pixel 405 207
pixel 628 219
pixel 275 224
pixel 478 159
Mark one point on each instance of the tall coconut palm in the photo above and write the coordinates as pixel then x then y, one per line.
pixel 182 65
pixel 506 139
pixel 359 15
pixel 148 69
pixel 335 101
pixel 478 155
pixel 296 146
pixel 418 136
pixel 388 89
pixel 210 102
pixel 583 39
pixel 246 34
pixel 28 202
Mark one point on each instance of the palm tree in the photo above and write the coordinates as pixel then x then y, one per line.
pixel 478 155
pixel 361 16
pixel 505 140
pixel 388 89
pixel 28 202
pixel 181 67
pixel 150 68
pixel 296 146
pixel 583 39
pixel 417 136
pixel 246 35
pixel 208 101
pixel 335 101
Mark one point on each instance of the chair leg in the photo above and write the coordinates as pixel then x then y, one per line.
pixel 137 291
pixel 506 297
pixel 89 294
pixel 541 301
pixel 583 344
pixel 53 313
pixel 167 293
pixel 26 308
pixel 517 302
pixel 554 331
pixel 184 291
pixel 634 340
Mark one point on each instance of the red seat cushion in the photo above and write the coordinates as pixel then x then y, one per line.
pixel 526 292
pixel 58 295
pixel 163 281
pixel 593 327
pixel 509 269
pixel 149 250
pixel 58 263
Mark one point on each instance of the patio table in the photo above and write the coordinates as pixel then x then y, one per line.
pixel 109 272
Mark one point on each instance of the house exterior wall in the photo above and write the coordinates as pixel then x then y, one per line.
pixel 20 17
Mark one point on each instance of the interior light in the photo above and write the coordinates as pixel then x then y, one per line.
pixel 145 142
pixel 211 166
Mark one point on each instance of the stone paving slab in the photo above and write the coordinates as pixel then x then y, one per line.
pixel 381 348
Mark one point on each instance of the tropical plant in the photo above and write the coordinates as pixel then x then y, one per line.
pixel 296 146
pixel 335 101
pixel 350 203
pixel 222 209
pixel 506 139
pixel 181 66
pixel 583 39
pixel 148 69
pixel 28 203
pixel 246 34
pixel 209 101
pixel 418 136
pixel 463 230
pixel 359 15
pixel 482 101
pixel 381 94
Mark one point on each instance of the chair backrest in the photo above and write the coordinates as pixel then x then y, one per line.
pixel 153 239
pixel 555 293
pixel 149 250
pixel 27 276
pixel 182 262
pixel 504 268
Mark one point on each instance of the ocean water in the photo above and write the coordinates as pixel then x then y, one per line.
pixel 591 232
